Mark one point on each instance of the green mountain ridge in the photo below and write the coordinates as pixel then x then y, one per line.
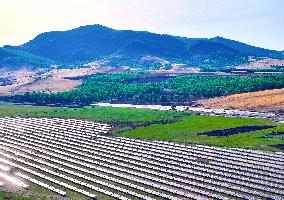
pixel 14 58
pixel 248 49
pixel 126 47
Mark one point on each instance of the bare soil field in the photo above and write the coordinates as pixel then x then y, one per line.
pixel 71 73
pixel 262 64
pixel 49 85
pixel 21 77
pixel 268 100
pixel 46 80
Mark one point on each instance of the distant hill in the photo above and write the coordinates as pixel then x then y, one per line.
pixel 248 49
pixel 14 58
pixel 125 47
pixel 88 43
pixel 207 53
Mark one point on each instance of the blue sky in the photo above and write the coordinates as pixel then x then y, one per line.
pixel 256 22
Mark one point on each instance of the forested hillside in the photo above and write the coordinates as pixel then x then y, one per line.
pixel 14 58
pixel 248 49
pixel 128 48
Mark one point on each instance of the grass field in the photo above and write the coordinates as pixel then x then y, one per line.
pixel 10 196
pixel 188 128
pixel 91 113
pixel 163 125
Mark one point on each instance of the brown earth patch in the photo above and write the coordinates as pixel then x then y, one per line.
pixel 21 77
pixel 48 80
pixel 262 64
pixel 268 100
pixel 50 85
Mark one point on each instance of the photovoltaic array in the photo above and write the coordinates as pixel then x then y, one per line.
pixel 64 155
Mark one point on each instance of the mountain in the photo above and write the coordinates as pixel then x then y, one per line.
pixel 207 53
pixel 248 49
pixel 14 58
pixel 92 42
pixel 125 47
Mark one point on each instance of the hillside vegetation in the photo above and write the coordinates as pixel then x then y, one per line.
pixel 15 58
pixel 248 49
pixel 182 89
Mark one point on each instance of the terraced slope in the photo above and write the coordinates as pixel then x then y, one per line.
pixel 71 157
pixel 268 100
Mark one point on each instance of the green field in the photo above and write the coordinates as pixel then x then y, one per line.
pixel 162 125
pixel 10 196
pixel 107 114
pixel 186 131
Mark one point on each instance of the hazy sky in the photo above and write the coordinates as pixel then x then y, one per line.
pixel 256 22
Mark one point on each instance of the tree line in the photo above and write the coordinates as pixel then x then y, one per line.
pixel 181 89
